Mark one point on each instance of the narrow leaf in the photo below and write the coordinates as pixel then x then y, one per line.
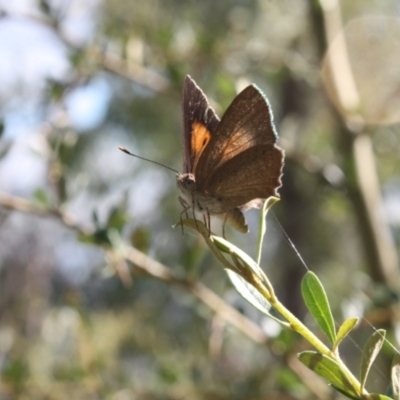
pixel 218 245
pixel 194 224
pixel 378 396
pixel 317 303
pixel 344 330
pixel 329 370
pixel 349 396
pixel 232 250
pixel 250 294
pixel 41 198
pixel 396 376
pixel 370 351
pixel 371 396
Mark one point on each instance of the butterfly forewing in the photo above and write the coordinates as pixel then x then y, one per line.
pixel 199 124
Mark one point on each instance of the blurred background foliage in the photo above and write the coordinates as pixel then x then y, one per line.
pixel 100 298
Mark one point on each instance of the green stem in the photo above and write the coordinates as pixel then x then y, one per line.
pixel 263 225
pixel 261 231
pixel 254 275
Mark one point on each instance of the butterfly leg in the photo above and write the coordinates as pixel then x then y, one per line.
pixel 194 216
pixel 204 220
pixel 207 221
pixel 186 207
pixel 223 225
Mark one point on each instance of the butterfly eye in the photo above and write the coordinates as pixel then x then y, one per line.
pixel 188 181
pixel 191 184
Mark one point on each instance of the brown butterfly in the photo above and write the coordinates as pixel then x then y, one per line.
pixel 232 164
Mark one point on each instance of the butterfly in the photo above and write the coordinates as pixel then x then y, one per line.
pixel 232 164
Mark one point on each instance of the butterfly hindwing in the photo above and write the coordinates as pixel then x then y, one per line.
pixel 257 177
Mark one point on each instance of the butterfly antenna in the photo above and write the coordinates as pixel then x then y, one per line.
pixel 146 159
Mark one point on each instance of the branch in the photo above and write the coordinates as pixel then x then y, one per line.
pixel 150 267
pixel 379 245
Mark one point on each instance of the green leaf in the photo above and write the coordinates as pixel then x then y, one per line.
pixel 344 330
pixel 118 216
pixel 231 249
pixel 95 219
pixel 329 370
pixel 370 351
pixel 218 244
pixel 117 219
pixel 370 396
pixel 350 396
pixel 250 294
pixel 242 265
pixel 378 396
pixel 45 7
pixel 56 89
pixel 317 303
pixel 99 236
pixel 396 376
pixel 41 198
pixel 194 224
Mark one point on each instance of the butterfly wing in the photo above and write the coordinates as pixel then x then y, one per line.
pixel 242 162
pixel 251 175
pixel 199 124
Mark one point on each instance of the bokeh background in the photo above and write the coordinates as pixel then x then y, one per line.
pixel 100 297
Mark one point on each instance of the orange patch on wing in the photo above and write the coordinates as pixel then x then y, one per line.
pixel 200 138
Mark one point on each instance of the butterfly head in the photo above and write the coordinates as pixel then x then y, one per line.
pixel 186 183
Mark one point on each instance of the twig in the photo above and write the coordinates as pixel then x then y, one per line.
pixel 19 204
pixel 135 72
